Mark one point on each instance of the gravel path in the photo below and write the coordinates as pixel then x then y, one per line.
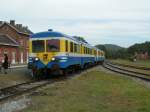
pixel 14 76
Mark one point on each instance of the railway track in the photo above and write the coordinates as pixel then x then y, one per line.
pixel 13 91
pixel 118 69
pixel 23 88
pixel 131 66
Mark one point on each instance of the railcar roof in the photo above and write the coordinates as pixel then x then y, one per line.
pixel 48 34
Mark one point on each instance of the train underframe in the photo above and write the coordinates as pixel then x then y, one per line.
pixel 55 70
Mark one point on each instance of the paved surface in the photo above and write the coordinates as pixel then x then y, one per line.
pixel 18 66
pixel 15 75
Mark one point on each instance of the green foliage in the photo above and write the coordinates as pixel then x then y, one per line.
pixel 80 39
pixel 114 52
pixel 143 47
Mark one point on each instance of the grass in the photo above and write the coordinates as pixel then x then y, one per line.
pixel 14 76
pixel 143 63
pixel 95 91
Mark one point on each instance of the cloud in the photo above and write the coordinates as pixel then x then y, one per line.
pixel 121 22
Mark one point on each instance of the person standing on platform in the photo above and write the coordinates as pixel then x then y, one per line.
pixel 5 64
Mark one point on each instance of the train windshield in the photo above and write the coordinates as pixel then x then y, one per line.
pixel 38 46
pixel 53 45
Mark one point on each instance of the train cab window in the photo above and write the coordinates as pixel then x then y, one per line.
pixel 38 46
pixel 53 45
pixel 66 44
pixel 71 46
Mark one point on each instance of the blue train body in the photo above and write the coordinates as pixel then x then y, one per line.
pixel 56 51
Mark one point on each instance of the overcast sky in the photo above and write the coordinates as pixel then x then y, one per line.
pixel 121 22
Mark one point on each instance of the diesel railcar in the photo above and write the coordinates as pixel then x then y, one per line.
pixel 52 53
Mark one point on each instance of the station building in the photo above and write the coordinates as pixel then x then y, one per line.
pixel 14 42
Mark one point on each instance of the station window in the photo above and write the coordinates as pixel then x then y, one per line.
pixel 71 46
pixel 66 44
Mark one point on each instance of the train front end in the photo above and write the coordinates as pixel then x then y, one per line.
pixel 43 50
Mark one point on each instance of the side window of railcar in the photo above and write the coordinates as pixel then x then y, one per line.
pixel 78 48
pixel 84 50
pixel 91 51
pixel 81 47
pixel 38 46
pixel 75 47
pixel 95 52
pixel 71 46
pixel 66 43
pixel 53 45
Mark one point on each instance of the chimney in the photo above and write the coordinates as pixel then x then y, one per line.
pixel 12 22
pixel 1 22
pixel 25 28
pixel 19 26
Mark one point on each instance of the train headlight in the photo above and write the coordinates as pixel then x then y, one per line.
pixel 36 59
pixel 53 59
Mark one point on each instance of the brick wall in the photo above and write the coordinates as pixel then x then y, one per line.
pixel 22 39
pixel 142 56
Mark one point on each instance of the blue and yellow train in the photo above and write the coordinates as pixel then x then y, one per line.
pixel 53 52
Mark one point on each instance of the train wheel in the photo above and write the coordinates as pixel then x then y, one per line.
pixel 38 74
pixel 31 72
pixel 65 72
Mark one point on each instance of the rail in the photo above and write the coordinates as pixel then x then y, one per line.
pixel 114 68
